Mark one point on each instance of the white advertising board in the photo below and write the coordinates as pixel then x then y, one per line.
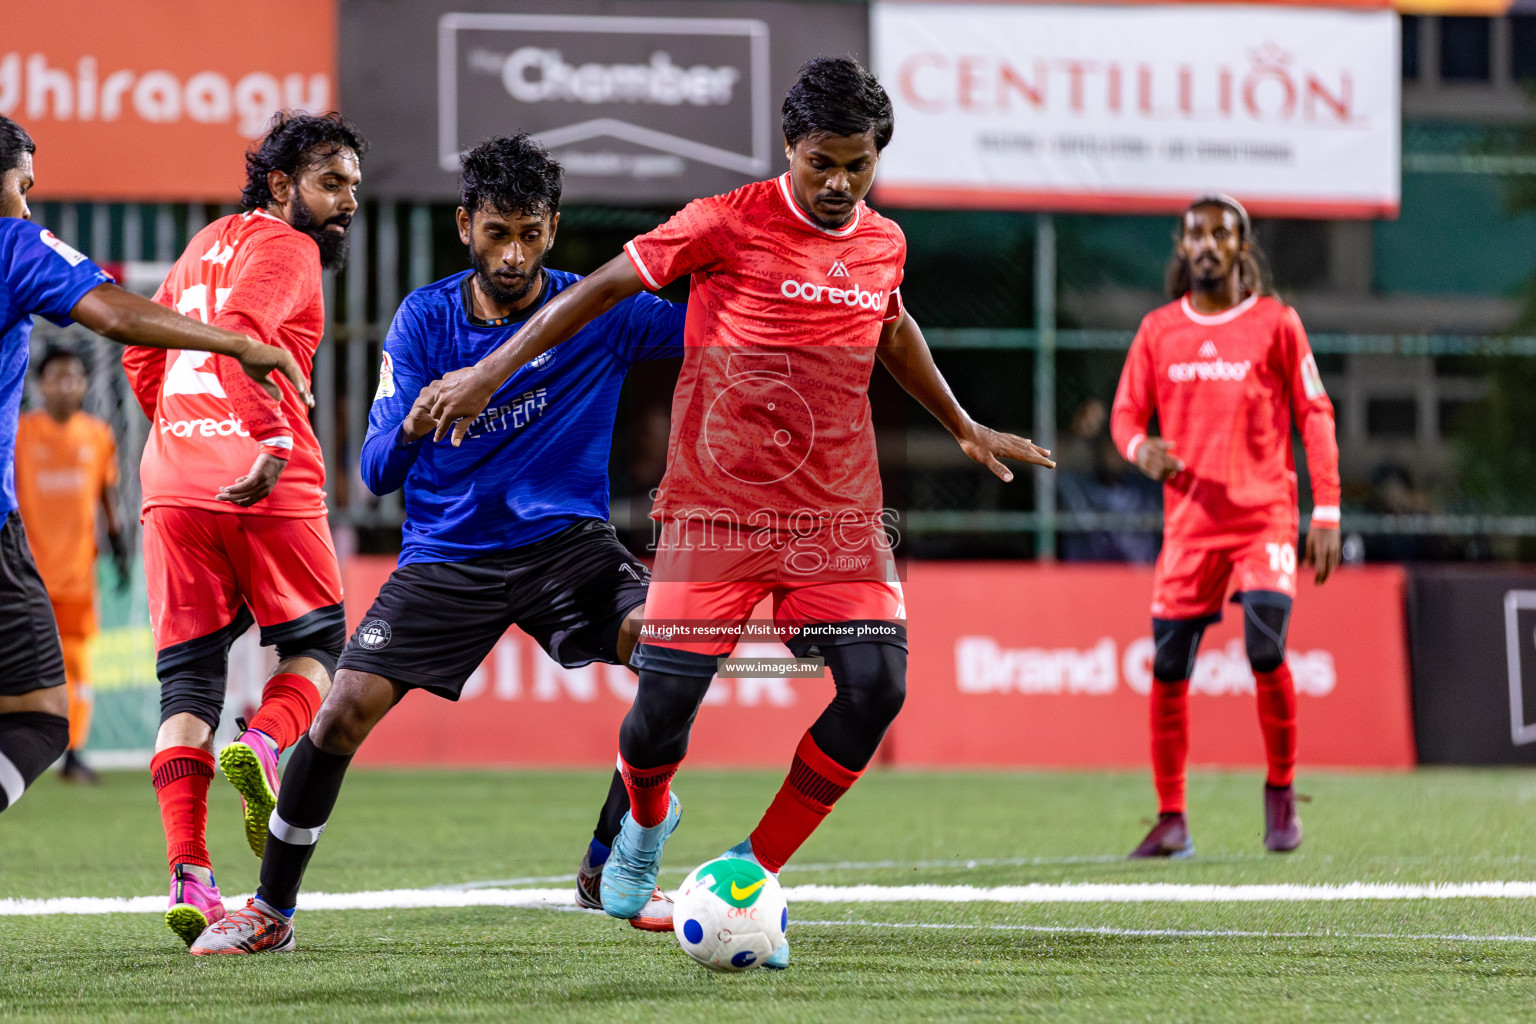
pixel 1139 108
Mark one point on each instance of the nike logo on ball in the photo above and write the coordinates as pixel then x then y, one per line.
pixel 738 893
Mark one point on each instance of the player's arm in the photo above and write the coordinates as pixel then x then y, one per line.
pixel 904 352
pixel 117 538
pixel 111 514
pixel 401 415
pixel 1132 412
pixel 1313 410
pixel 134 320
pixel 464 393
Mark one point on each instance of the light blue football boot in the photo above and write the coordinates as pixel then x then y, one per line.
pixel 780 958
pixel 629 876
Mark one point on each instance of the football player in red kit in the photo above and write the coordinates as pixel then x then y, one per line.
pixel 257 548
pixel 1225 368
pixel 772 486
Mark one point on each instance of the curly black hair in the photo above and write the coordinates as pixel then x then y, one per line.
pixel 510 175
pixel 296 142
pixel 14 141
pixel 837 96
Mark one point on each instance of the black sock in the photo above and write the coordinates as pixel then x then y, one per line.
pixel 614 809
pixel 30 741
pixel 310 787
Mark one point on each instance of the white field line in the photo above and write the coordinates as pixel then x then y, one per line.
pixel 399 899
pixel 1157 892
pixel 861 865
pixel 1160 933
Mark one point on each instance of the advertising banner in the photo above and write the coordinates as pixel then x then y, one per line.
pixel 1140 107
pixel 663 102
pixel 1011 665
pixel 1474 664
pixel 158 99
pixel 1051 666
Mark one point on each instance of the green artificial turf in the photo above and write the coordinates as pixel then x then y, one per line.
pixel 1155 961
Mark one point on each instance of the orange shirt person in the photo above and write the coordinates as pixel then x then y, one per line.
pixel 66 469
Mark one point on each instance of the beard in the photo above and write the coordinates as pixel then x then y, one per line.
pixel 1207 275
pixel 333 246
pixel 495 290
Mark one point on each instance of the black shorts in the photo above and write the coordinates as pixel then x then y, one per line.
pixel 30 656
pixel 433 623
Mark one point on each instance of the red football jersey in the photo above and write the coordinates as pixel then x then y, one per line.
pixel 255 274
pixel 771 414
pixel 1224 388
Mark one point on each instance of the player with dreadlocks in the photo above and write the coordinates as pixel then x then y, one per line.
pixel 1224 367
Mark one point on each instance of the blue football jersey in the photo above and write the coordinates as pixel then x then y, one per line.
pixel 536 460
pixel 38 274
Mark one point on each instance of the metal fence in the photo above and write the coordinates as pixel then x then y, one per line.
pixel 398 247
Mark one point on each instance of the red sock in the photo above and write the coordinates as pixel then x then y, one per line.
pixel 814 784
pixel 650 791
pixel 1277 718
pixel 288 705
pixel 1170 743
pixel 181 776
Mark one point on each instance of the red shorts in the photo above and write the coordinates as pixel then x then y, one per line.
pixel 1191 580
pixel 705 586
pixel 202 567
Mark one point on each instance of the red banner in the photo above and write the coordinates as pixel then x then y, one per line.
pixel 1011 664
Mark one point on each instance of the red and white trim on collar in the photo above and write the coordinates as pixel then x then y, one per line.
pixel 1226 316
pixel 794 207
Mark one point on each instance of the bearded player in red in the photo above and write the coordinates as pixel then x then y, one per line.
pixel 772 486
pixel 1225 367
pixel 259 548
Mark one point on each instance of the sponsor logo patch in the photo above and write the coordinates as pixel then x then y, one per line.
pixel 1216 369
pixel 854 295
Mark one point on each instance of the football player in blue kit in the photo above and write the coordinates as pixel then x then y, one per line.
pixel 511 528
pixel 40 275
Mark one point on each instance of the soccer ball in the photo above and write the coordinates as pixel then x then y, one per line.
pixel 730 914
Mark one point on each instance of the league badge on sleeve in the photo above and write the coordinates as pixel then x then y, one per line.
pixel 74 257
pixel 386 379
pixel 1311 380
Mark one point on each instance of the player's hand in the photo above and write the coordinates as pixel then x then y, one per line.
pixel 258 361
pixel 986 446
pixel 122 561
pixel 419 422
pixel 1324 550
pixel 256 484
pixel 1155 457
pixel 461 396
